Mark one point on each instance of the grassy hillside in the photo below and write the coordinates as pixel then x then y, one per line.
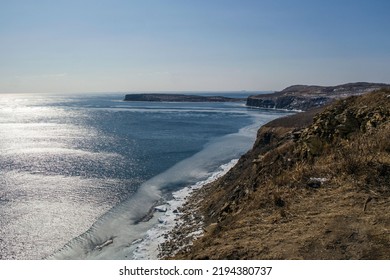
pixel 316 185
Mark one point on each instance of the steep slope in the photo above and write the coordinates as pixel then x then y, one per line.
pixel 311 188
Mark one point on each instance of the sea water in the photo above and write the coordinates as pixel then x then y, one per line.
pixel 79 173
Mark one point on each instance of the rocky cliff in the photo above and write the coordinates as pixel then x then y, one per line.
pixel 301 97
pixel 316 185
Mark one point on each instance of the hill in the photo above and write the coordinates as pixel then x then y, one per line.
pixel 316 185
pixel 302 97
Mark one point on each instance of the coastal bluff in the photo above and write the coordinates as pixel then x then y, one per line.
pixel 163 97
pixel 305 97
pixel 315 185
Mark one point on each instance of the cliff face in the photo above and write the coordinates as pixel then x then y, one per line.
pixel 301 97
pixel 316 185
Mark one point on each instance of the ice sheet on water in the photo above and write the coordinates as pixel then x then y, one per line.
pixel 148 248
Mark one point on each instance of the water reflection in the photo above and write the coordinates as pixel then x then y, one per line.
pixel 48 193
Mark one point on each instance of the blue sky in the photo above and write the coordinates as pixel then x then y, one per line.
pixel 176 45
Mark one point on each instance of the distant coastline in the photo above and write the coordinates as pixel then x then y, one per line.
pixel 163 97
pixel 294 98
pixel 305 97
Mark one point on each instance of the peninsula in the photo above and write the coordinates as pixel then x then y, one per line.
pixel 162 97
pixel 296 97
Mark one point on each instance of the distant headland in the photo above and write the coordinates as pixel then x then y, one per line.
pixel 296 97
pixel 304 97
pixel 162 97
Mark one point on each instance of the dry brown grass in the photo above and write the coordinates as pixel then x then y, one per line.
pixel 268 207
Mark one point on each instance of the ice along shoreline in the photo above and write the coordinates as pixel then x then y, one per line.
pixel 172 216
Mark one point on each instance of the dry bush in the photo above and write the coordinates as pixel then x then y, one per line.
pixel 365 159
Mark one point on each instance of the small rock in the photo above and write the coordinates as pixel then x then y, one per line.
pixel 316 182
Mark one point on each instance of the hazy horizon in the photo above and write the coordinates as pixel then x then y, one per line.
pixel 175 46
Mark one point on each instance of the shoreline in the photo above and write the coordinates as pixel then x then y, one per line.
pixel 179 224
pixel 178 221
pixel 308 187
pixel 134 240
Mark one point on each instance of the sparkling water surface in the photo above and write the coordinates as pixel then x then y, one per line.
pixel 66 161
